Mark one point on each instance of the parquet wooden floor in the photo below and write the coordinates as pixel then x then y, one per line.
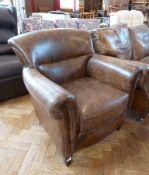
pixel 26 149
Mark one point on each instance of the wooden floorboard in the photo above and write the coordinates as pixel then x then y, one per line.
pixel 26 149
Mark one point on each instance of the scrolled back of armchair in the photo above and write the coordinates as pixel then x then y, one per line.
pixel 48 49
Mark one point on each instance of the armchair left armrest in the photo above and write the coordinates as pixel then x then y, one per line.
pixel 114 72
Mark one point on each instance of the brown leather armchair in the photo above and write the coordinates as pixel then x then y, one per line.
pixel 131 45
pixel 139 37
pixel 78 96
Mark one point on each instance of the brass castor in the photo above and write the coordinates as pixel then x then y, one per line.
pixel 119 127
pixel 68 160
pixel 136 116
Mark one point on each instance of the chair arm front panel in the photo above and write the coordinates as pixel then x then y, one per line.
pixel 144 80
pixel 55 107
pixel 48 93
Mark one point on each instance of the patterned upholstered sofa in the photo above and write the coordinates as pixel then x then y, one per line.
pixel 31 24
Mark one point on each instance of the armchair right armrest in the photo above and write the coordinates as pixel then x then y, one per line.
pixel 145 72
pixel 115 72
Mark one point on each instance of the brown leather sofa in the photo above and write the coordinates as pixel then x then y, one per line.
pixel 11 83
pixel 78 96
pixel 131 45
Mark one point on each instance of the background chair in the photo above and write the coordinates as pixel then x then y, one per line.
pixel 79 97
pixel 81 10
pixel 121 17
pixel 11 83
pixel 131 18
pixel 116 5
pixel 132 45
pixel 139 36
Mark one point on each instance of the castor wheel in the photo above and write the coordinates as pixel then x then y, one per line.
pixel 136 116
pixel 68 161
pixel 139 118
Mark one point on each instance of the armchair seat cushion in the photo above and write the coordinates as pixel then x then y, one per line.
pixel 96 101
pixel 9 66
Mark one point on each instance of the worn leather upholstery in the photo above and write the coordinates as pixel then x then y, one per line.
pixel 77 95
pixel 130 44
pixel 140 41
pixel 113 41
pixel 92 111
pixel 11 83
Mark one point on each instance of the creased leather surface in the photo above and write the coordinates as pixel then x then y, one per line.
pixel 113 71
pixel 55 107
pixel 50 46
pixel 140 44
pixel 78 96
pixel 136 46
pixel 113 41
pixel 145 69
pixel 102 100
pixel 47 92
pixel 140 41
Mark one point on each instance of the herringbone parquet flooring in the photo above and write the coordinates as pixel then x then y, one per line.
pixel 26 149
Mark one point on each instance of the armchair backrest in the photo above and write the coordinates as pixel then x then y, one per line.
pixel 60 54
pixel 121 17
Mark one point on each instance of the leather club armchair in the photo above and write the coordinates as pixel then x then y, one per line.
pixel 139 36
pixel 132 45
pixel 78 96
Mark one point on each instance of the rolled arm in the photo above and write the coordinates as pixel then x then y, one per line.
pixel 144 80
pixel 145 72
pixel 46 92
pixel 113 71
